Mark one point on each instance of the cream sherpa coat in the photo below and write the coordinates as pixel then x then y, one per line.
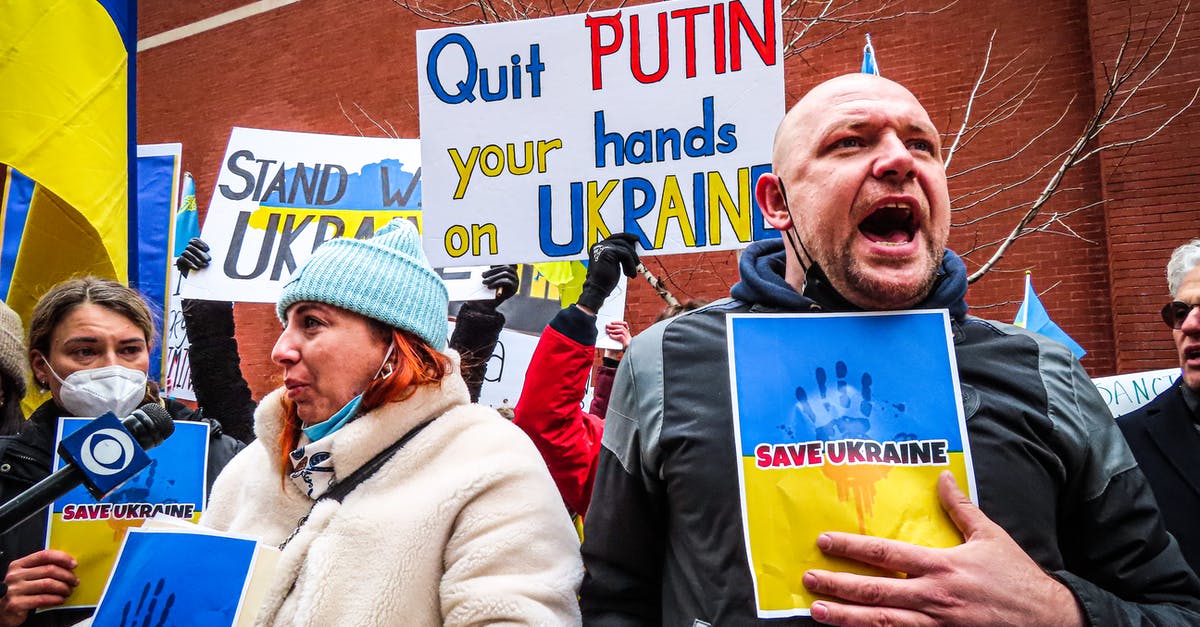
pixel 463 526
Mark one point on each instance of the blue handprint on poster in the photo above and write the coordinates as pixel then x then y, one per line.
pixel 842 422
pixel 177 578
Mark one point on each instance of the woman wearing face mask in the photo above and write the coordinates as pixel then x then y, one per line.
pixel 89 345
pixel 397 501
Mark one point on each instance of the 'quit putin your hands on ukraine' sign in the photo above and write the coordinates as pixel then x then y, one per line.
pixel 541 137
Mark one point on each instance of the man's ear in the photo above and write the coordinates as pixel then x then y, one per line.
pixel 770 201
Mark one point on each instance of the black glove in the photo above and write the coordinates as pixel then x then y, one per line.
pixel 194 257
pixel 607 259
pixel 504 280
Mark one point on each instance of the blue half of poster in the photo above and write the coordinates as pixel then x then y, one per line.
pixel 176 578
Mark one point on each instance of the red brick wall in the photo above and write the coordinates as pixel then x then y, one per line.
pixel 289 68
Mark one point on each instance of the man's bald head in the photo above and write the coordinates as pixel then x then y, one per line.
pixel 806 112
pixel 858 179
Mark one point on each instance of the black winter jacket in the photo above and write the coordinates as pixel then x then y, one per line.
pixel 664 542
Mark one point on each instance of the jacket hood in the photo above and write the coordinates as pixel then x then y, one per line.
pixel 762 282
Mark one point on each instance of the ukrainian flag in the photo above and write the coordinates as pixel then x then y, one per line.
pixel 67 122
pixel 66 116
pixel 1033 316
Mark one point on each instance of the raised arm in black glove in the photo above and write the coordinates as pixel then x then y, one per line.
pixel 194 257
pixel 221 391
pixel 478 325
pixel 607 260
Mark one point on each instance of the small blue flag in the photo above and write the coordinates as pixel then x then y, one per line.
pixel 187 221
pixel 869 66
pixel 1033 316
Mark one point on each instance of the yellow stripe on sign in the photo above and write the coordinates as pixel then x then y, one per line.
pixel 359 223
pixel 787 508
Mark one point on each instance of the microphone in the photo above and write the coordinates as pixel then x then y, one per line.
pixel 106 461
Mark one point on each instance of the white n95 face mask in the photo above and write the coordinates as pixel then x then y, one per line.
pixel 88 393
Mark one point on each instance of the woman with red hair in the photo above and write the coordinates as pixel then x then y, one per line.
pixel 395 500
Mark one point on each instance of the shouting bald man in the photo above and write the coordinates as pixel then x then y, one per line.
pixel 1069 533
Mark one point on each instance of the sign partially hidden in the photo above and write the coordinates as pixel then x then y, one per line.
pixel 1124 393
pixel 541 137
pixel 842 440
pixel 280 195
pixel 91 531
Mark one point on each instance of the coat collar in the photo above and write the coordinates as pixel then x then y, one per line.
pixel 367 435
pixel 1170 427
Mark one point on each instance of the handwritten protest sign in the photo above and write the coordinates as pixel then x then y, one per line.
pixel 92 531
pixel 541 137
pixel 861 415
pixel 280 194
pixel 1124 393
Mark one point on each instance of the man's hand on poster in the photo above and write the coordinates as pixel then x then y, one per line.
pixel 38 580
pixel 840 410
pixel 153 611
pixel 194 257
pixel 987 580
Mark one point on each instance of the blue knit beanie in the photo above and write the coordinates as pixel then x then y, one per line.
pixel 386 278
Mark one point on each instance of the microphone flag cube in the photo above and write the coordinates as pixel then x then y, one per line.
pixel 106 453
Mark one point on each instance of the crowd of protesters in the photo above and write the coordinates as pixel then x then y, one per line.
pixel 396 499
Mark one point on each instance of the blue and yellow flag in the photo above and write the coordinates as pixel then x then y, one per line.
pixel 1033 316
pixel 187 221
pixel 65 117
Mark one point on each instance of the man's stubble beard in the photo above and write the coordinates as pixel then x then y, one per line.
pixel 862 283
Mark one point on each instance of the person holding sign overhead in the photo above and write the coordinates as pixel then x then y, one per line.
pixel 394 499
pixel 89 345
pixel 1066 532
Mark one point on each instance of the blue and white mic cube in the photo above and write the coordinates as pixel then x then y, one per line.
pixel 107 454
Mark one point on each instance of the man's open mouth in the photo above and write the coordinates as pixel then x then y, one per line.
pixel 892 224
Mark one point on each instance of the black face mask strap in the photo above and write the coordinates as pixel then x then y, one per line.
pixel 793 234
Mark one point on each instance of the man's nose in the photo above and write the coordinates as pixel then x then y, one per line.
pixel 1191 322
pixel 893 159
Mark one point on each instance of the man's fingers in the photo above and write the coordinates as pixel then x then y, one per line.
pixel 29 603
pixel 831 613
pixel 198 243
pixel 46 572
pixel 629 263
pixel 41 586
pixel 882 552
pixel 969 519
pixel 45 556
pixel 863 589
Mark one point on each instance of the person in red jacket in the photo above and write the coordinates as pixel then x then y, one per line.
pixel 550 408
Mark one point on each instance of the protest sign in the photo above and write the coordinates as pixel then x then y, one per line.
pixel 541 137
pixel 280 194
pixel 841 439
pixel 91 531
pixel 177 349
pixel 169 576
pixel 1124 393
pixel 526 315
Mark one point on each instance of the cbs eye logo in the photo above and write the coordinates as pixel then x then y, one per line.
pixel 106 452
